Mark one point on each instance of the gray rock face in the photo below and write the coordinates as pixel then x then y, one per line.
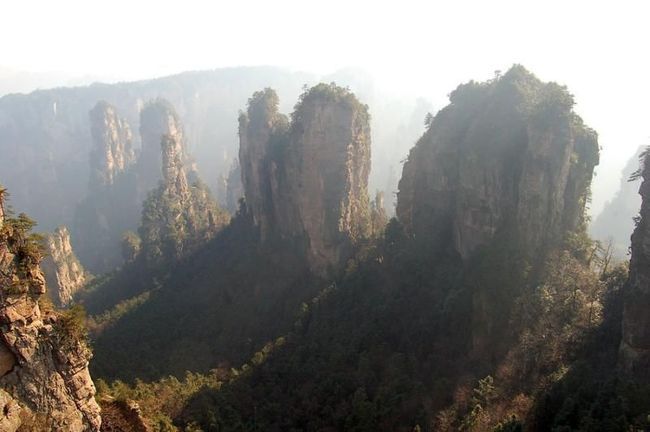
pixel 177 216
pixel 508 154
pixel 159 119
pixel 635 343
pixel 307 180
pixel 64 273
pixel 112 204
pixel 112 151
pixel 45 383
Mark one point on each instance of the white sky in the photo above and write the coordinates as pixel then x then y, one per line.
pixel 599 49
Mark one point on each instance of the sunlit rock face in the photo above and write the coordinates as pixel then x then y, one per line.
pixel 63 272
pixel 508 154
pixel 635 344
pixel 112 152
pixel 307 179
pixel 44 382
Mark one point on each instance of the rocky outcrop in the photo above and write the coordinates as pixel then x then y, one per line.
pixel 112 204
pixel 307 180
pixel 45 384
pixel 64 273
pixel 507 155
pixel 122 416
pixel 159 119
pixel 112 152
pixel 496 183
pixel 635 343
pixel 177 217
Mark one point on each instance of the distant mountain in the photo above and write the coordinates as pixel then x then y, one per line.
pixel 50 154
pixel 17 81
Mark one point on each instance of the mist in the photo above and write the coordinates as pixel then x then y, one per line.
pixel 412 50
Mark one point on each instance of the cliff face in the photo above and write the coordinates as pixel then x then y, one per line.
pixel 112 204
pixel 635 344
pixel 177 216
pixel 159 119
pixel 307 180
pixel 44 382
pixel 112 151
pixel 508 155
pixel 496 182
pixel 64 273
pixel 45 136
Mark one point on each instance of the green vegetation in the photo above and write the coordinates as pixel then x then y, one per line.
pixel 332 94
pixel 70 327
pixel 522 334
pixel 174 225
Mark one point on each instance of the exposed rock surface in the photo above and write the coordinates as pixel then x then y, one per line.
pixel 505 155
pixel 112 152
pixel 45 381
pixel 112 204
pixel 496 183
pixel 177 216
pixel 64 273
pixel 122 416
pixel 307 180
pixel 635 344
pixel 159 119
pixel 45 136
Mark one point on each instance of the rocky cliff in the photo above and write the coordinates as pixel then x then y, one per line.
pixel 44 382
pixel 159 119
pixel 45 136
pixel 177 216
pixel 64 273
pixel 507 155
pixel 112 152
pixel 307 179
pixel 498 181
pixel 112 204
pixel 635 344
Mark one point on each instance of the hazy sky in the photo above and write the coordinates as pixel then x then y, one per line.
pixel 599 49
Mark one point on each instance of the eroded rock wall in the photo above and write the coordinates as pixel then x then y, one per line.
pixel 44 382
pixel 63 272
pixel 505 155
pixel 307 179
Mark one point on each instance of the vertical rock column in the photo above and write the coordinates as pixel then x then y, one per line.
pixel 635 344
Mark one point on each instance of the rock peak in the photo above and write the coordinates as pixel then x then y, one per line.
pixel 308 179
pixel 112 151
pixel 508 154
pixel 176 217
pixel 158 120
